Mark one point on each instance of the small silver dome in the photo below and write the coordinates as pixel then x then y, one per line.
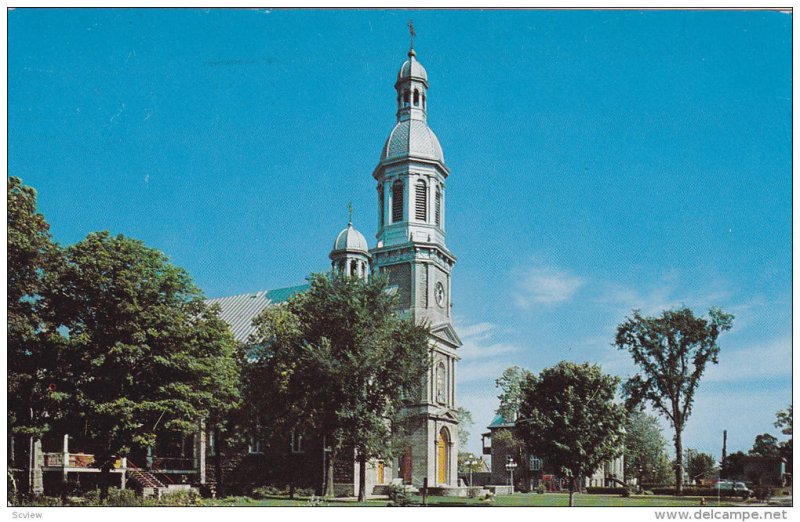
pixel 411 68
pixel 350 240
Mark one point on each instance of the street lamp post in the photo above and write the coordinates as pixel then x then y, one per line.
pixel 471 462
pixel 510 466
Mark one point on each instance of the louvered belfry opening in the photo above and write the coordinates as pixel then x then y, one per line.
pixel 421 197
pixel 438 206
pixel 397 201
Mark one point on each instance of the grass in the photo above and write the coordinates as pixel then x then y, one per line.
pixel 518 500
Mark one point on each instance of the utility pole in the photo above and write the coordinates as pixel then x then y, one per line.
pixel 724 452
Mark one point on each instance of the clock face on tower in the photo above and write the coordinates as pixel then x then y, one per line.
pixel 439 294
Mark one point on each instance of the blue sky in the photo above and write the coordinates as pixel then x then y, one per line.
pixel 601 161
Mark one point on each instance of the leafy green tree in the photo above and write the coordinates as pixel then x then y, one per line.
pixel 146 355
pixel 645 447
pixel 765 445
pixel 464 457
pixel 734 465
pixel 32 355
pixel 506 441
pixel 464 423
pixel 665 472
pixel 344 362
pixel 569 418
pixel 700 466
pixel 784 422
pixel 510 384
pixel 672 352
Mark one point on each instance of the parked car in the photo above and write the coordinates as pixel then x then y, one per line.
pixel 734 489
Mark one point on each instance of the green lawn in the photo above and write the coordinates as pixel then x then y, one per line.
pixel 520 499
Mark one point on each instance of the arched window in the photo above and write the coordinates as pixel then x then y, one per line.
pixel 423 102
pixel 397 201
pixel 406 99
pixel 438 206
pixel 441 384
pixel 380 203
pixel 416 98
pixel 421 200
pixel 353 268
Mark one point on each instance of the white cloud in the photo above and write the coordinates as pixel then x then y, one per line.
pixel 478 342
pixel 546 285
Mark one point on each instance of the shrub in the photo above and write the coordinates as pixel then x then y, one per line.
pixel 398 496
pixel 696 492
pixel 265 492
pixel 762 493
pixel 304 492
pixel 190 497
pixel 122 497
pixel 39 501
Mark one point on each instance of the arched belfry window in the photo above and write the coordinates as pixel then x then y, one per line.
pixel 380 203
pixel 397 201
pixel 438 206
pixel 406 99
pixel 421 201
pixel 416 97
pixel 423 102
pixel 441 383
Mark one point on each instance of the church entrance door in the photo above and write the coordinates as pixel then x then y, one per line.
pixel 441 457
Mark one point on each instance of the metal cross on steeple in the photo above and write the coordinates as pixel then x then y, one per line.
pixel 350 211
pixel 413 33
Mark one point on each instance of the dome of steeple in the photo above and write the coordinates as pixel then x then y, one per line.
pixel 350 240
pixel 412 69
pixel 412 138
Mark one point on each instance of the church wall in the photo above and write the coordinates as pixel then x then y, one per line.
pixel 400 275
pixel 422 297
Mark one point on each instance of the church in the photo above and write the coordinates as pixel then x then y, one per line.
pixel 410 181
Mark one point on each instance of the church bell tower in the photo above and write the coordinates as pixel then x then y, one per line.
pixel 411 186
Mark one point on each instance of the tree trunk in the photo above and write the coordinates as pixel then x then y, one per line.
pixel 572 492
pixel 105 472
pixel 218 463
pixel 362 477
pixel 329 489
pixel 678 463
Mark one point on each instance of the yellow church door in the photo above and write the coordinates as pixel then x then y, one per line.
pixel 441 459
pixel 380 472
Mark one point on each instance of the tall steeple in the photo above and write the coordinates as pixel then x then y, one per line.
pixel 411 251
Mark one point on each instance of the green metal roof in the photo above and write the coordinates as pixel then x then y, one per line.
pixel 240 310
pixel 500 422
